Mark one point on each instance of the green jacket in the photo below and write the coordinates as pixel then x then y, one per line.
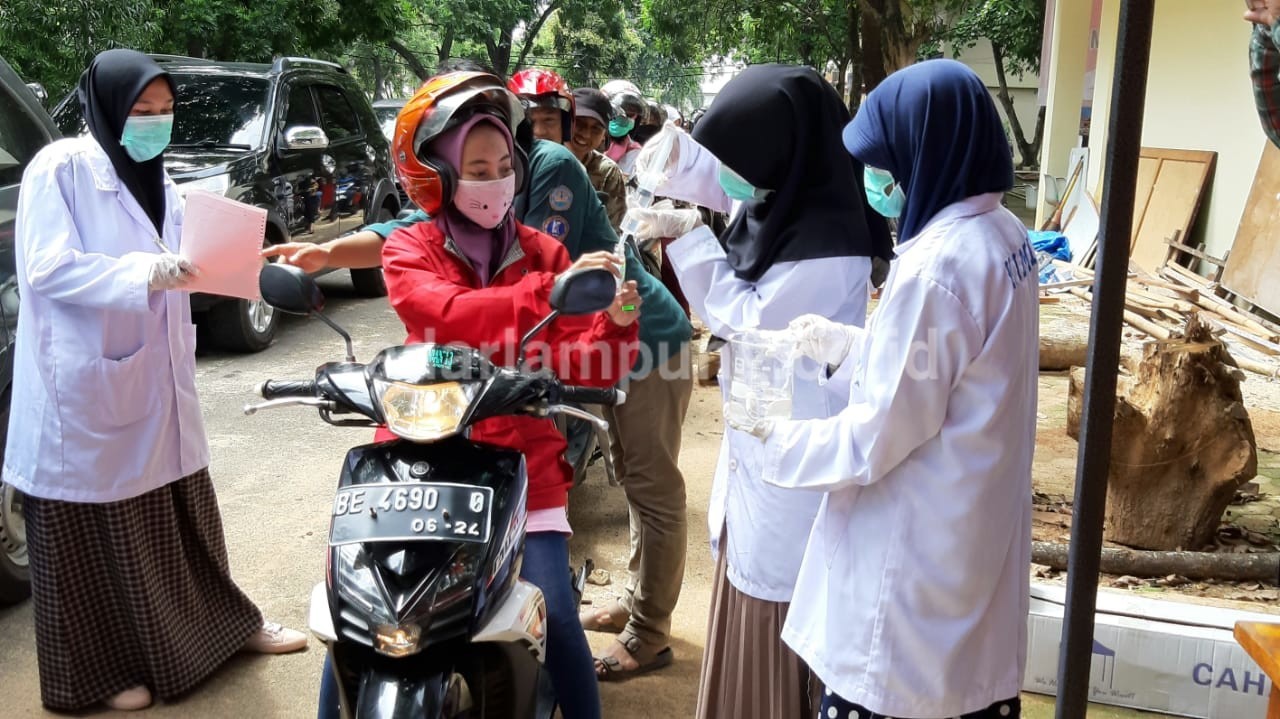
pixel 558 199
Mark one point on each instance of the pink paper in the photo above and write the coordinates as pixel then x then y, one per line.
pixel 223 239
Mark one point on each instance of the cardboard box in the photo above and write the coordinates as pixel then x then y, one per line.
pixel 1153 654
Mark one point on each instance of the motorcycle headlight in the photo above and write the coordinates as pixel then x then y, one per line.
pixel 397 640
pixel 356 584
pixel 425 412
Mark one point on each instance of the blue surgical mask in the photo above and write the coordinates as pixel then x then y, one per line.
pixel 146 136
pixel 887 202
pixel 620 126
pixel 737 188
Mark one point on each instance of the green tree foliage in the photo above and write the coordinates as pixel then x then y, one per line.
pixel 52 41
pixel 1014 29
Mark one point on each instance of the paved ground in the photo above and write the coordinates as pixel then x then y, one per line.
pixel 275 474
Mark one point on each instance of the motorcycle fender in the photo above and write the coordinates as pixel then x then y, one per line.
pixel 391 696
pixel 319 617
pixel 520 619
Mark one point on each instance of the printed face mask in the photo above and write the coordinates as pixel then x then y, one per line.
pixel 887 202
pixel 146 136
pixel 737 188
pixel 485 202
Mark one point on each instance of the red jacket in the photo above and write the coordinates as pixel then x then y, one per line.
pixel 438 296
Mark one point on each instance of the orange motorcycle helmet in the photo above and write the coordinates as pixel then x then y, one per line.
pixel 442 103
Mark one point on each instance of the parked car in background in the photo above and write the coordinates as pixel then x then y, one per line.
pixel 296 137
pixel 387 111
pixel 24 128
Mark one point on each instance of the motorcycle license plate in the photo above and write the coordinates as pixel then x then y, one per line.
pixel 402 511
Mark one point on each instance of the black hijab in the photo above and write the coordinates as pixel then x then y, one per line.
pixel 934 127
pixel 107 92
pixel 778 126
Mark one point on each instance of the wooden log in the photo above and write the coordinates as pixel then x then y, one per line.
pixel 1246 338
pixel 1192 565
pixel 1182 442
pixel 1183 273
pixel 1151 328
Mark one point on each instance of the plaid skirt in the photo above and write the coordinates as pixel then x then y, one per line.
pixel 130 593
pixel 748 672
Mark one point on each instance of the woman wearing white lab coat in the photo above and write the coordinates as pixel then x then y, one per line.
pixel 128 565
pixel 800 243
pixel 912 598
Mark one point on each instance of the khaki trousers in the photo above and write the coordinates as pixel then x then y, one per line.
pixel 645 443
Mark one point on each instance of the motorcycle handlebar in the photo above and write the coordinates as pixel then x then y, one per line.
pixel 609 396
pixel 281 388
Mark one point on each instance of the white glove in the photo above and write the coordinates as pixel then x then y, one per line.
pixel 170 272
pixel 820 339
pixel 737 417
pixel 653 223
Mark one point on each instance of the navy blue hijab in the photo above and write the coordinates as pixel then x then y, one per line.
pixel 934 127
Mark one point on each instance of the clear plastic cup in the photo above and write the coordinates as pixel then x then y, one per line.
pixel 762 374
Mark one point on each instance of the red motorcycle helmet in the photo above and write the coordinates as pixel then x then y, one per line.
pixel 544 88
pixel 441 104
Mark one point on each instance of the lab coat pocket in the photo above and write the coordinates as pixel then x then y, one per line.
pixel 113 393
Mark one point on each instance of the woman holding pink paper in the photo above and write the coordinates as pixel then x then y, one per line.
pixel 128 564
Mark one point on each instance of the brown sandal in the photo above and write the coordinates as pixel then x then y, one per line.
pixel 609 669
pixel 611 621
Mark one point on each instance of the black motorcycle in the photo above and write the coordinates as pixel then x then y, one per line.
pixel 422 607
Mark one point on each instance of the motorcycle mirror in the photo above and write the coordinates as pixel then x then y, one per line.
pixel 576 292
pixel 584 291
pixel 289 289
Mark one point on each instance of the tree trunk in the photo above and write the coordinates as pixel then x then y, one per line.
pixel 411 58
pixel 1029 155
pixel 532 33
pixel 379 76
pixel 1192 565
pixel 873 65
pixel 445 50
pixel 1182 442
pixel 853 27
pixel 1038 140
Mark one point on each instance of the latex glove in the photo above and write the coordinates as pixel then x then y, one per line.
pixel 737 417
pixel 653 223
pixel 820 339
pixel 170 272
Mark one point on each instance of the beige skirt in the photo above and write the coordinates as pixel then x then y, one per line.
pixel 747 670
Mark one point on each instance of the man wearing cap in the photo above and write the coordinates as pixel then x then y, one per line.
pixel 590 124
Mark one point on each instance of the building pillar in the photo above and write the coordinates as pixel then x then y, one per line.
pixel 1065 83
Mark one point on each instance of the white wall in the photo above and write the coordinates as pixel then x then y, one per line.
pixel 1022 88
pixel 1199 97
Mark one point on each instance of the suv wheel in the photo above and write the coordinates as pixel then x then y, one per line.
pixel 369 282
pixel 243 325
pixel 15 574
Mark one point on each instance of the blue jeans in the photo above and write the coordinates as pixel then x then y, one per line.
pixel 568 659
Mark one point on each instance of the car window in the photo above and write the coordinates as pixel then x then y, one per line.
pixel 21 136
pixel 340 121
pixel 209 111
pixel 302 108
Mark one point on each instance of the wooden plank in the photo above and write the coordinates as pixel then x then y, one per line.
pixel 1261 641
pixel 1181 178
pixel 1253 267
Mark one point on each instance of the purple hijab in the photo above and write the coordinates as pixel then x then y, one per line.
pixel 483 248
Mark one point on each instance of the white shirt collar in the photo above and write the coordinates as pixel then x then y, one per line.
pixel 968 207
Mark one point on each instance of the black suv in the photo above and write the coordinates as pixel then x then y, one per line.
pixel 297 137
pixel 24 128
